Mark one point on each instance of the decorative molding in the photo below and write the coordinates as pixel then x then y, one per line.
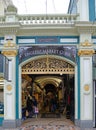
pixel 68 40
pixel 86 88
pixel 9 49
pixel 9 44
pixel 86 52
pixel 9 87
pixel 1 78
pixel 28 41
pixel 85 30
pixel 48 65
pixel 86 44
pixel 9 53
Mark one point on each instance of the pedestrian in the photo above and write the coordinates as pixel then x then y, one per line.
pixel 29 106
pixel 34 101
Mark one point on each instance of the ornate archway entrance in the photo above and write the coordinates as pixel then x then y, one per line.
pixel 47 77
pixel 48 65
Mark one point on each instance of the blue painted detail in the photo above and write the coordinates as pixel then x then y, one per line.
pixel 24 37
pixel 1 38
pixel 92 10
pixel 78 87
pixel 1 120
pixel 47 39
pixel 17 39
pixel 94 37
pixel 17 89
pixel 73 37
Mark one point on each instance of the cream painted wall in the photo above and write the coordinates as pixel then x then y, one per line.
pixel 83 10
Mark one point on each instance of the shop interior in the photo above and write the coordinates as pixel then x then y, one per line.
pixel 54 96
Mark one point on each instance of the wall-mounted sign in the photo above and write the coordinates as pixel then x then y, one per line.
pixel 47 39
pixel 66 51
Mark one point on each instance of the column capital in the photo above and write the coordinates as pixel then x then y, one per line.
pixel 86 49
pixel 86 43
pixel 9 49
pixel 85 52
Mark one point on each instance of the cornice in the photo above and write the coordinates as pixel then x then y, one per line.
pixel 62 29
pixel 74 28
pixel 49 32
pixel 9 28
pixel 88 30
pixel 85 27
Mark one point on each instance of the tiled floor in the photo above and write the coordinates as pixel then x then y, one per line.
pixel 48 124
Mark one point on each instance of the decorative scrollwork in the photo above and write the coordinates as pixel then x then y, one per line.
pixel 52 63
pixel 86 52
pixel 48 65
pixel 9 49
pixel 86 44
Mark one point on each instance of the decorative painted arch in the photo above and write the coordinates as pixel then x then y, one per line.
pixel 48 64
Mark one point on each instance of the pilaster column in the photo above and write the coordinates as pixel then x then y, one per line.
pixel 86 91
pixel 82 10
pixel 10 51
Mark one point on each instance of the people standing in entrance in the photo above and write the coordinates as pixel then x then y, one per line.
pixel 53 104
pixel 29 107
pixel 34 102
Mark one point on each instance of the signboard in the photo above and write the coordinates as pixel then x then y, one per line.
pixel 67 51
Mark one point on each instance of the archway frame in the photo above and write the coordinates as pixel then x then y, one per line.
pixel 65 71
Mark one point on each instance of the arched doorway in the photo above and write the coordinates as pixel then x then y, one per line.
pixel 47 78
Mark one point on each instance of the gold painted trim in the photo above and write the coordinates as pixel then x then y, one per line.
pixel 9 87
pixel 48 65
pixel 9 49
pixel 85 52
pixel 49 71
pixel 86 87
pixel 9 44
pixel 9 53
pixel 1 78
pixel 86 44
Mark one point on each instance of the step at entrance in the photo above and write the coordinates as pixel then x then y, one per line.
pixel 50 115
